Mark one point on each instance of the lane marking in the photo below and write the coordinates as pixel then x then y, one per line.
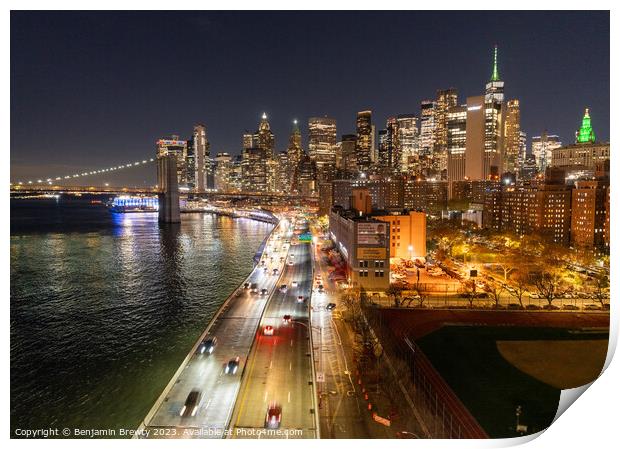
pixel 290 366
pixel 265 398
pixel 289 396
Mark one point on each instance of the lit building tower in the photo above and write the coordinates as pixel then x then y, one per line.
pixel 248 139
pixel 457 127
pixel 512 137
pixel 223 172
pixel 585 134
pixel 295 153
pixel 493 110
pixel 427 127
pixel 446 99
pixel 394 143
pixel 542 149
pixel 178 148
pixel 363 142
pixel 384 150
pixel 408 141
pixel 263 138
pixel 201 157
pixel 322 146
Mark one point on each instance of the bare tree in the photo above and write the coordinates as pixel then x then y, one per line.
pixel 519 286
pixel 395 292
pixel 495 289
pixel 600 288
pixel 469 290
pixel 549 286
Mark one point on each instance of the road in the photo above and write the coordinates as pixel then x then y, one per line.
pixel 280 366
pixel 343 413
pixel 235 329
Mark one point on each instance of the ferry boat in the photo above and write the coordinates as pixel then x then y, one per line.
pixel 127 204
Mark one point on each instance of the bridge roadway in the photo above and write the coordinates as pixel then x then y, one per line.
pixel 235 328
pixel 280 366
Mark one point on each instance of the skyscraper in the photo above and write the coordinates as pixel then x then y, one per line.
pixel 295 153
pixel 542 149
pixel 446 99
pixel 494 111
pixel 264 138
pixel 222 174
pixel 427 126
pixel 457 127
pixel 394 143
pixel 322 146
pixel 201 156
pixel 512 136
pixel 363 143
pixel 173 145
pixel 408 140
pixel 384 156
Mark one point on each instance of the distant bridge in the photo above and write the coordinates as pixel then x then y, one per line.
pixel 152 190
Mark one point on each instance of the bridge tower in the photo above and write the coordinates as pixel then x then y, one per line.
pixel 168 183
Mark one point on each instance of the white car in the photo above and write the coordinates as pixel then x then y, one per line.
pixel 294 284
pixel 268 330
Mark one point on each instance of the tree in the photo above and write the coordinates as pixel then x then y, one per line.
pixel 600 288
pixel 519 286
pixel 495 289
pixel 395 292
pixel 507 261
pixel 469 291
pixel 549 285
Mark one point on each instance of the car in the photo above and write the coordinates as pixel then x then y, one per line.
pixel 286 318
pixel 283 288
pixel 550 307
pixel 254 288
pixel 330 306
pixel 268 330
pixel 265 270
pixel 320 288
pixel 317 277
pixel 294 284
pixel 282 259
pixel 532 307
pixel 569 307
pixel 514 306
pixel 190 408
pixel 292 256
pixel 273 416
pixel 232 366
pixel 246 286
pixel 275 271
pixel 592 307
pixel 263 291
pixel 300 298
pixel 207 345
pixel 291 263
pixel 262 262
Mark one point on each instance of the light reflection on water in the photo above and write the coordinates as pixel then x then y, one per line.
pixel 103 313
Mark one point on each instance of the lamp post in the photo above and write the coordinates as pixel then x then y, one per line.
pixel 410 248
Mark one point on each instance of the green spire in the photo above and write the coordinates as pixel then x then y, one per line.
pixel 495 75
pixel 586 133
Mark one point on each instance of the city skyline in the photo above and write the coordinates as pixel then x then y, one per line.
pixel 64 149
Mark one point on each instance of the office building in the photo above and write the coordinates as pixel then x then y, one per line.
pixel 364 140
pixel 223 172
pixel 542 149
pixel 427 126
pixel 263 137
pixel 408 141
pixel 430 196
pixel 295 153
pixel 407 234
pixel 201 153
pixel 322 146
pixel 456 143
pixel 176 147
pixel 512 137
pixel 254 170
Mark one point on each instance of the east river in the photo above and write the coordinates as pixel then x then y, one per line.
pixel 104 307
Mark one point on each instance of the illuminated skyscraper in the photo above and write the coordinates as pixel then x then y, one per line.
pixel 173 145
pixel 322 146
pixel 264 138
pixel 585 134
pixel 427 126
pixel 363 143
pixel 542 149
pixel 408 141
pixel 201 157
pixel 295 153
pixel 446 99
pixel 457 127
pixel 223 172
pixel 512 136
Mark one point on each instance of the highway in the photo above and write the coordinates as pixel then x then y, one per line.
pixel 280 367
pixel 235 328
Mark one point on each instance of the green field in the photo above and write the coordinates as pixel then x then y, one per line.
pixel 491 387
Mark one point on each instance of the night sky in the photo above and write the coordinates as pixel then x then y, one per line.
pixel 91 90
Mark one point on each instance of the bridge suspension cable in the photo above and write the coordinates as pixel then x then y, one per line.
pixel 88 173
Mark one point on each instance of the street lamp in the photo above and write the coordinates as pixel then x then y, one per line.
pixel 410 248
